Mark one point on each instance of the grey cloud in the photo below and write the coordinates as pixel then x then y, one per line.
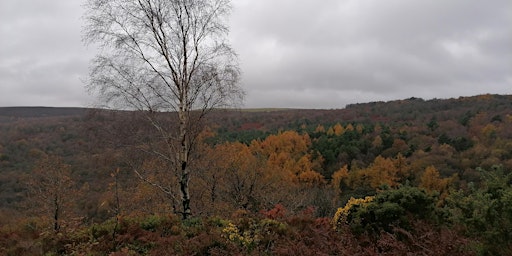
pixel 293 53
pixel 373 49
pixel 42 59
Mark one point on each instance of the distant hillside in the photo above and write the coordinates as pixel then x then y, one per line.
pixel 24 112
pixel 371 111
pixel 412 108
pixel 396 111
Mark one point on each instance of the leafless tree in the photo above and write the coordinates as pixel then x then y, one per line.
pixel 164 58
pixel 50 189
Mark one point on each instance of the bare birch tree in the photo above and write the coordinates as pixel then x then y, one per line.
pixel 164 56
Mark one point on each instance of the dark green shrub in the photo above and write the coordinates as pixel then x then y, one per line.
pixel 393 208
pixel 486 212
pixel 151 223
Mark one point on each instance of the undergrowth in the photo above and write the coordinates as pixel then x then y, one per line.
pixel 273 232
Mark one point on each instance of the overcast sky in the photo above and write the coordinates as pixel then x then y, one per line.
pixel 293 53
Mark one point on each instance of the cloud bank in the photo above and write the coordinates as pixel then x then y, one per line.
pixel 296 54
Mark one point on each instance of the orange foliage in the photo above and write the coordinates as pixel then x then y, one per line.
pixel 232 177
pixel 359 128
pixel 431 181
pixel 320 129
pixel 287 154
pixel 383 171
pixel 330 131
pixel 349 128
pixel 289 142
pixel 338 177
pixel 338 129
pixel 377 142
pixel 404 170
pixel 311 178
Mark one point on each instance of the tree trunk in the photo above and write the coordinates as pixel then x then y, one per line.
pixel 185 196
pixel 183 155
pixel 56 226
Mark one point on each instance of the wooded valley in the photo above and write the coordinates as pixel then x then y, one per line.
pixel 427 177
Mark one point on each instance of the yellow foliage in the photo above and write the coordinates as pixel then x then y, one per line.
pixel 287 154
pixel 338 129
pixel 288 141
pixel 320 129
pixel 339 176
pixel 330 131
pixel 359 128
pixel 382 171
pixel 431 181
pixel 311 178
pixel 232 233
pixel 484 97
pixel 303 164
pixel 403 169
pixel 341 214
pixel 489 130
pixel 377 142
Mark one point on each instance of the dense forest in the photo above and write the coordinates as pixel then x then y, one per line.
pixel 412 176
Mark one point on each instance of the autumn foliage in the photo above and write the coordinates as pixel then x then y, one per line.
pixel 408 177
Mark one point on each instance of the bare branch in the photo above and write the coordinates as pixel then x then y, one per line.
pixel 161 56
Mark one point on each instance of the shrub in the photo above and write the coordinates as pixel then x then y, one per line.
pixel 486 213
pixel 391 208
pixel 151 223
pixel 341 214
